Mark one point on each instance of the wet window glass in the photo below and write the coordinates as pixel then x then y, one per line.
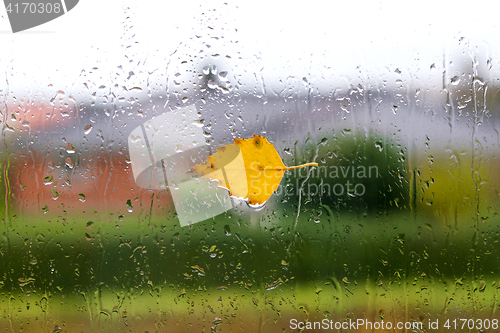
pixel 256 167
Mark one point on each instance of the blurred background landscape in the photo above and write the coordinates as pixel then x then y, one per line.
pixel 83 248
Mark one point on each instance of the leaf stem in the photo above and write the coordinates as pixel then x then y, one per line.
pixel 301 166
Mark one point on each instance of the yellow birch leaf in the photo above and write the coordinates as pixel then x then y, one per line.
pixel 250 168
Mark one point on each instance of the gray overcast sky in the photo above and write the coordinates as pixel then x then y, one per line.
pixel 287 39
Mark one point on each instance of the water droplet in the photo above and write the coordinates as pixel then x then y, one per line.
pixel 455 80
pixel 212 84
pixel 346 131
pixel 223 76
pixel 69 163
pixel 55 194
pixel 48 180
pixel 227 230
pixel 70 149
pixel 482 286
pixel 87 129
pixel 323 142
pixel 130 208
pixel 25 281
pixel 214 70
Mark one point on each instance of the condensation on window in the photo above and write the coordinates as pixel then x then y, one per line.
pixel 130 167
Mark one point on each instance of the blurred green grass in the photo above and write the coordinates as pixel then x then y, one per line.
pixel 390 254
